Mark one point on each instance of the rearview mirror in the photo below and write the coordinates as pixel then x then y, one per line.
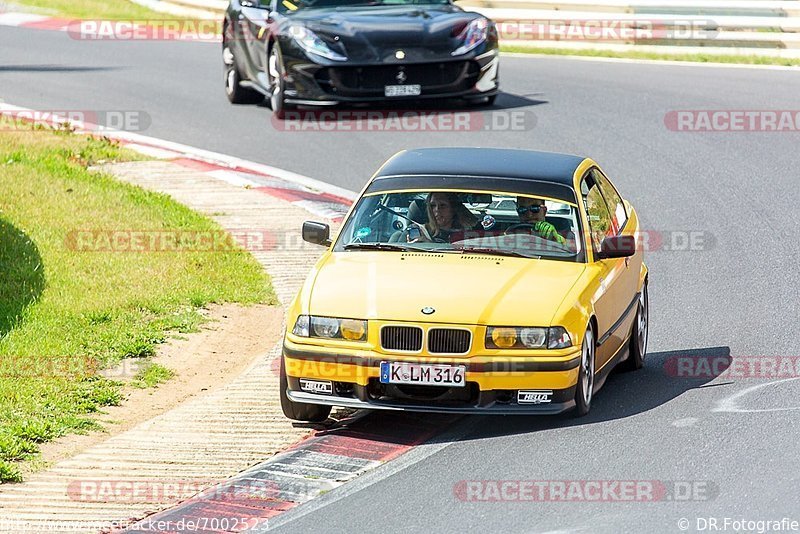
pixel 618 246
pixel 317 233
pixel 476 198
pixel 258 4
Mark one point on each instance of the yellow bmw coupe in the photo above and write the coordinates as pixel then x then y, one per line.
pixel 470 280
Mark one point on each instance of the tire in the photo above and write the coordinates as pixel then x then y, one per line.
pixel 584 391
pixel 277 100
pixel 300 411
pixel 235 92
pixel 637 344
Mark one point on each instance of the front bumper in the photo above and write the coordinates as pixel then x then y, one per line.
pixel 486 407
pixel 326 82
pixel 491 383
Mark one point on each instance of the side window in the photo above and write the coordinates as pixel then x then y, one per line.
pixel 618 215
pixel 600 223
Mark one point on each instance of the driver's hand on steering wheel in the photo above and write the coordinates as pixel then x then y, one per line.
pixel 419 235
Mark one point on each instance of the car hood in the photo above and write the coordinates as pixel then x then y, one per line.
pixel 376 33
pixel 463 289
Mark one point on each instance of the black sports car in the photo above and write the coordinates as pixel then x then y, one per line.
pixel 324 52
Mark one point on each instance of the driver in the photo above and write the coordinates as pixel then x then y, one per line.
pixel 532 211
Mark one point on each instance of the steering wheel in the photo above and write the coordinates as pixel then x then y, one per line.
pixel 423 231
pixel 510 229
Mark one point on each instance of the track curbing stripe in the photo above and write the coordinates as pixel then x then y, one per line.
pixel 314 466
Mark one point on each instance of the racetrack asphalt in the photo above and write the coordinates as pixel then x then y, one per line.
pixel 735 295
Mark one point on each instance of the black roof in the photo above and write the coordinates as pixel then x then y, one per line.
pixel 499 162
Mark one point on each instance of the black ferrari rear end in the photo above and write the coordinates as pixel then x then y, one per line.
pixel 324 52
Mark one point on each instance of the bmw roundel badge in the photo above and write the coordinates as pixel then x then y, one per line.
pixel 427 310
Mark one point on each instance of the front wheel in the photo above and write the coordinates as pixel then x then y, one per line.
pixel 275 72
pixel 585 388
pixel 300 411
pixel 235 92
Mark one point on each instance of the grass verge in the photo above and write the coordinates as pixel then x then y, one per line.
pixel 151 375
pixel 633 54
pixel 64 313
pixel 94 9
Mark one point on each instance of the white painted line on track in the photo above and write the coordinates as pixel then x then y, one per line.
pixel 153 152
pixel 687 421
pixel 198 154
pixel 318 209
pixel 232 178
pixel 665 62
pixel 731 404
pixel 16 19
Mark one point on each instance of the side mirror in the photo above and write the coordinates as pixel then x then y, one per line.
pixel 618 246
pixel 317 233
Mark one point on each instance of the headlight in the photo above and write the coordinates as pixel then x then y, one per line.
pixel 511 337
pixel 558 338
pixel 353 330
pixel 533 338
pixel 301 326
pixel 502 338
pixel 325 327
pixel 311 43
pixel 330 328
pixel 474 34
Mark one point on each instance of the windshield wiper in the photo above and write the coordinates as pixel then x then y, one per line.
pixel 496 252
pixel 377 246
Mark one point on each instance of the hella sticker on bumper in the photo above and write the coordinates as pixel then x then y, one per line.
pixel 534 396
pixel 323 387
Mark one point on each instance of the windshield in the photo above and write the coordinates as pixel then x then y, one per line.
pixel 463 221
pixel 295 5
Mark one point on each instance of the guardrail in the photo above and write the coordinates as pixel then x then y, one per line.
pixel 723 27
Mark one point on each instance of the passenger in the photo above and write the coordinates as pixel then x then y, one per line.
pixel 446 215
pixel 532 212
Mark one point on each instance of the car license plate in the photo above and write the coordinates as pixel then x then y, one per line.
pixel 403 90
pixel 423 374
